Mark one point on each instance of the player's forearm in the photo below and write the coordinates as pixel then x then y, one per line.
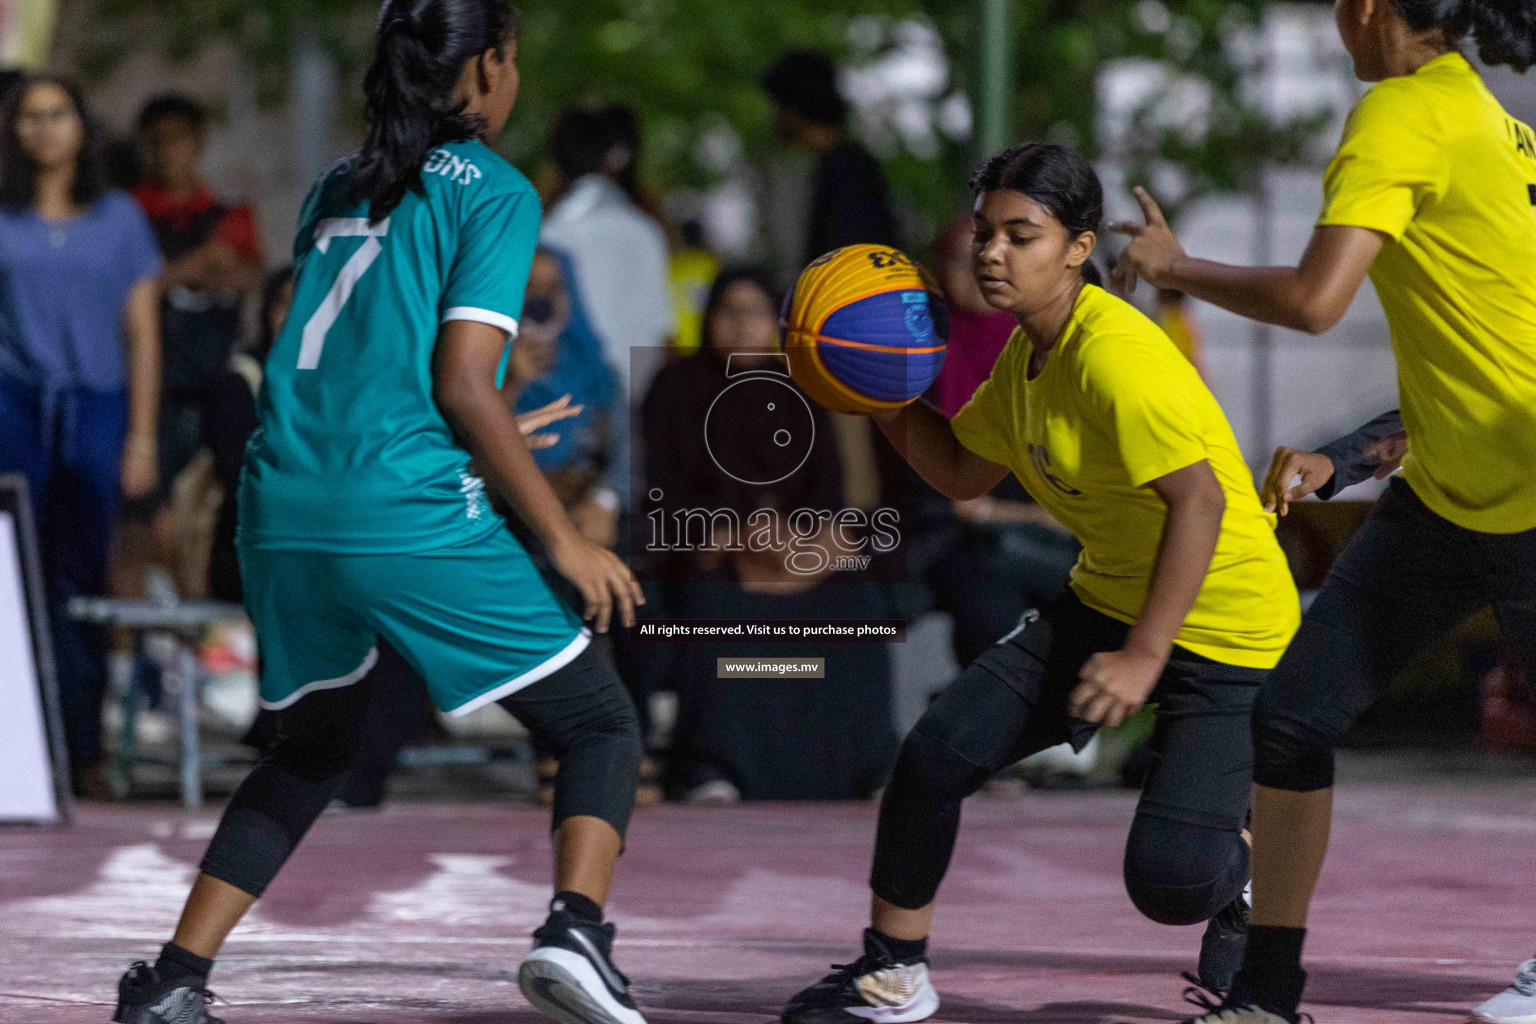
pixel 1184 554
pixel 923 437
pixel 480 415
pixel 1276 295
pixel 142 326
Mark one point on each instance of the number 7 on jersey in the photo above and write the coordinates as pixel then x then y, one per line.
pixel 319 325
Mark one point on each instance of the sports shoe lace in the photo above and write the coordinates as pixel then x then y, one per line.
pixel 1201 995
pixel 866 964
pixel 1215 1003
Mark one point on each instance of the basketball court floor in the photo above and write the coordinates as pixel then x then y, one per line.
pixel 419 914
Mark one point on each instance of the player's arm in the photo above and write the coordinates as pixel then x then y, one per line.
pixel 1375 449
pixel 1311 296
pixel 464 387
pixel 1115 684
pixel 925 439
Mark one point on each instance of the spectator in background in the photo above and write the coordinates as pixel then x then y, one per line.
pixel 830 738
pixel 79 371
pixel 213 263
pixel 556 354
pixel 1174 315
pixel 693 269
pixel 741 331
pixel 850 203
pixel 619 251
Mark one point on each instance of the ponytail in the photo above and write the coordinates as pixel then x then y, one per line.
pixel 419 54
pixel 1504 30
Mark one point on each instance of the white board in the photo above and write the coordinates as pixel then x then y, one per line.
pixel 26 772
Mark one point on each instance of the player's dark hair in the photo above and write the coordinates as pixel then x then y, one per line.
pixel 1504 30
pixel 18 177
pixel 169 105
pixel 1057 177
pixel 806 81
pixel 419 53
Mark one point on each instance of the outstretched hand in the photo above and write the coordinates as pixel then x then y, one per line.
pixel 529 422
pixel 1152 250
pixel 1293 474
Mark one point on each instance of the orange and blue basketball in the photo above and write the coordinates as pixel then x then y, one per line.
pixel 864 329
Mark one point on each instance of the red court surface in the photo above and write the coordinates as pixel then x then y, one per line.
pixel 419 914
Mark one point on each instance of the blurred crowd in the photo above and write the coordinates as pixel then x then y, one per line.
pixel 136 308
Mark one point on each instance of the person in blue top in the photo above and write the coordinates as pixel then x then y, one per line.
pixel 79 370
pixel 364 513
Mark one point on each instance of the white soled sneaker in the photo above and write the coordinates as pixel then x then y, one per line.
pixel 1516 1004
pixel 875 987
pixel 570 974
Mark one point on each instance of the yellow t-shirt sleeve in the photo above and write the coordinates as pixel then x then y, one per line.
pixel 1147 398
pixel 986 424
pixel 1388 163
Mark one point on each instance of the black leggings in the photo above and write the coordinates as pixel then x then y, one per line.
pixel 582 711
pixel 1185 858
pixel 1406 579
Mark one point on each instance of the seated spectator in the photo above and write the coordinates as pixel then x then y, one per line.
pixel 213 262
pixel 781 739
pixel 557 354
pixel 682 473
pixel 829 738
pixel 79 372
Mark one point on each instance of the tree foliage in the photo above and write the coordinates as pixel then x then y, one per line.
pixel 692 66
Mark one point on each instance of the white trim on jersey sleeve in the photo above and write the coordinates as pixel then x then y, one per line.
pixel 482 316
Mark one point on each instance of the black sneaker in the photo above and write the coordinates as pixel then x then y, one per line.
pixel 1236 1006
pixel 142 998
pixel 570 974
pixel 874 987
pixel 1221 947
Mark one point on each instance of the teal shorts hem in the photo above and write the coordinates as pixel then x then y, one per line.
pixel 355 676
pixel 549 666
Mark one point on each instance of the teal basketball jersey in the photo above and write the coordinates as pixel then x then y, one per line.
pixel 353 455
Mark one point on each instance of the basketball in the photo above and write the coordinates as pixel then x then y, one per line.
pixel 864 329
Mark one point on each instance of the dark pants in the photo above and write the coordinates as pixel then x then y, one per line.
pixel 219 414
pixel 1405 580
pixel 1185 858
pixel 581 711
pixel 69 446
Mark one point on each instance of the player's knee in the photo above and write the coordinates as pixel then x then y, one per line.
pixel 1178 873
pixel 929 771
pixel 1290 752
pixel 312 760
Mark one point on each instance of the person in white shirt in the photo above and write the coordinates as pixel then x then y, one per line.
pixel 618 250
